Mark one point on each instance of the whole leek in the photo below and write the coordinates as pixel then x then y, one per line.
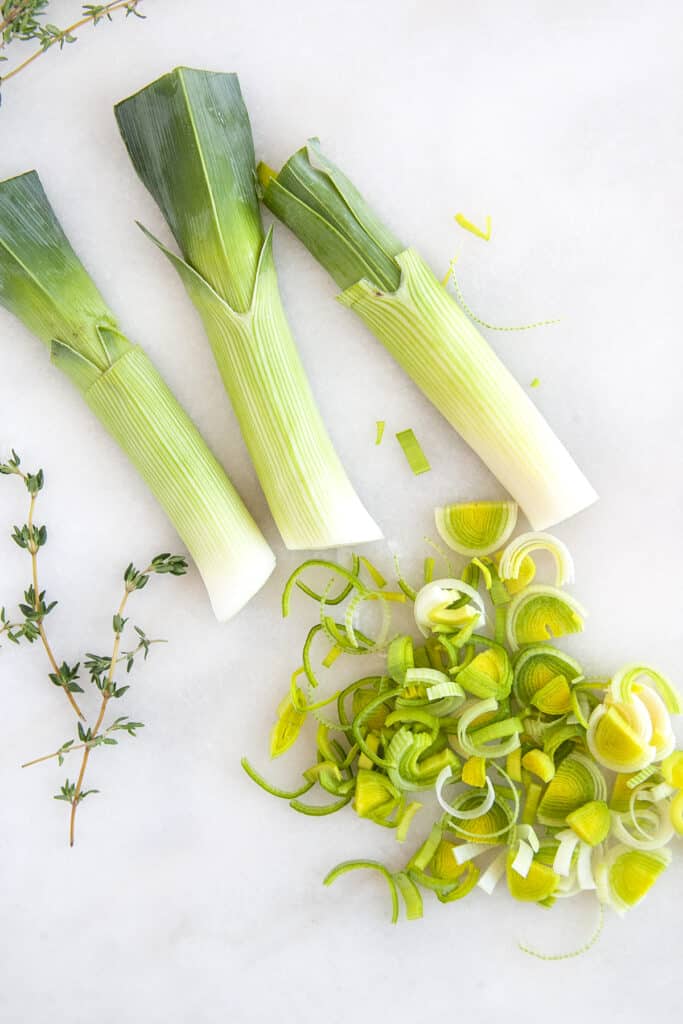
pixel 44 284
pixel 189 137
pixel 396 294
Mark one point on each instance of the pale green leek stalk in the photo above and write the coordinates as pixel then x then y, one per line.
pixel 189 137
pixel 396 294
pixel 44 284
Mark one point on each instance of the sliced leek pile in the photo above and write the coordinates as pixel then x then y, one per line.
pixel 478 732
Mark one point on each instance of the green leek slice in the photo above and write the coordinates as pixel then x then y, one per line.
pixel 630 874
pixel 542 613
pixel 415 457
pixel 476 528
pixel 576 782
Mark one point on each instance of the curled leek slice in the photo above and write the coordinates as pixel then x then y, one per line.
pixel 541 613
pixel 539 665
pixel 626 876
pixel 577 781
pixel 489 674
pixel 630 681
pixel 512 559
pixel 372 865
pixel 455 811
pixel 650 827
pixel 619 735
pixel 672 769
pixel 478 527
pixel 477 743
pixel 434 605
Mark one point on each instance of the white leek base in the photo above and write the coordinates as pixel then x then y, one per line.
pixel 232 583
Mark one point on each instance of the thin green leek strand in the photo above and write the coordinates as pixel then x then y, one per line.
pixel 396 294
pixel 189 138
pixel 44 284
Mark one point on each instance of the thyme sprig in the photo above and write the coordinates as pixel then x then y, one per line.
pixel 101 668
pixel 34 608
pixel 21 20
pixel 102 676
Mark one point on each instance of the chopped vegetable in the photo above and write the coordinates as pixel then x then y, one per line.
pixel 44 284
pixel 396 294
pixel 189 137
pixel 462 220
pixel 416 458
pixel 380 431
pixel 501 735
pixel 478 527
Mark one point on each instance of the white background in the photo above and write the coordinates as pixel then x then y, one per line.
pixel 191 895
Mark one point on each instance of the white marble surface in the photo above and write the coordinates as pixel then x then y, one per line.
pixel 190 895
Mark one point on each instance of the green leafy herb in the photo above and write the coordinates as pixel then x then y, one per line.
pixel 29 626
pixel 23 21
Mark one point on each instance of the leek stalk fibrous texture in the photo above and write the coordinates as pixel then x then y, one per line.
pixel 396 294
pixel 44 284
pixel 189 137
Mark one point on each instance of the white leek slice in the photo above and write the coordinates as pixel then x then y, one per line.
pixel 470 814
pixel 493 874
pixel 469 851
pixel 662 828
pixel 523 859
pixel 476 528
pixel 438 595
pixel 521 547
pixel 528 834
pixel 562 864
pixel 584 868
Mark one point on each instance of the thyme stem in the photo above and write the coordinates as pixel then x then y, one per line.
pixel 66 35
pixel 33 551
pixel 106 694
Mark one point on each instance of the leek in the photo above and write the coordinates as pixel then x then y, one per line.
pixel 396 294
pixel 189 137
pixel 513 743
pixel 43 283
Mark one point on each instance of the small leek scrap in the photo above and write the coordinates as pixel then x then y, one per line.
pixel 412 449
pixel 43 283
pixel 189 137
pixel 396 294
pixel 499 723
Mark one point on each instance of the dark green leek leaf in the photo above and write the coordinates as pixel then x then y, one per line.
pixel 189 137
